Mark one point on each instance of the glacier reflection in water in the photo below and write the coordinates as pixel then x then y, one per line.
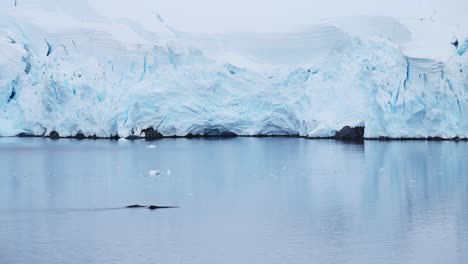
pixel 242 200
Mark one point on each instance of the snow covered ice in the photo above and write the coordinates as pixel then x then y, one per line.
pixel 67 68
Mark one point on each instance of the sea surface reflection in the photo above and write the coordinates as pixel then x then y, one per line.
pixel 242 200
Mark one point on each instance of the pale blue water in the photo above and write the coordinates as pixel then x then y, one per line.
pixel 242 200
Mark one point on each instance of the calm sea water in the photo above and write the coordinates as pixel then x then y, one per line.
pixel 242 200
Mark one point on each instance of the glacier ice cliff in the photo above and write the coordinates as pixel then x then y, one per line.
pixel 90 75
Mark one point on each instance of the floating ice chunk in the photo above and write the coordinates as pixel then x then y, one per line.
pixel 154 173
pixel 151 146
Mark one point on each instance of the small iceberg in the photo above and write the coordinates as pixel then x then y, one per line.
pixel 154 173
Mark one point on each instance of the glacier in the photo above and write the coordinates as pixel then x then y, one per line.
pixel 84 73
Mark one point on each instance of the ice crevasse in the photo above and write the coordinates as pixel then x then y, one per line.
pixel 108 77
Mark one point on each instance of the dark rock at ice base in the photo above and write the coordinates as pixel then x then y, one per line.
pixel 151 134
pixel 213 133
pixel 216 132
pixel 114 137
pixel 350 133
pixel 26 134
pixel 54 135
pixel 80 135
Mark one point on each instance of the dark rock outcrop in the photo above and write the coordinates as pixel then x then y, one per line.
pixel 25 134
pixel 133 137
pixel 212 132
pixel 224 134
pixel 216 132
pixel 190 135
pixel 350 133
pixel 80 135
pixel 151 134
pixel 54 135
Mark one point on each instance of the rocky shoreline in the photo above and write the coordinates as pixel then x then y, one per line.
pixel 347 133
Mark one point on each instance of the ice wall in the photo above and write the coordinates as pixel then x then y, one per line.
pixel 72 70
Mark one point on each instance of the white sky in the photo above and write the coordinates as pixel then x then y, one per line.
pixel 262 15
pixel 279 15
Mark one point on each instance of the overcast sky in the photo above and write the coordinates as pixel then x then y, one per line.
pixel 274 15
pixel 263 15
